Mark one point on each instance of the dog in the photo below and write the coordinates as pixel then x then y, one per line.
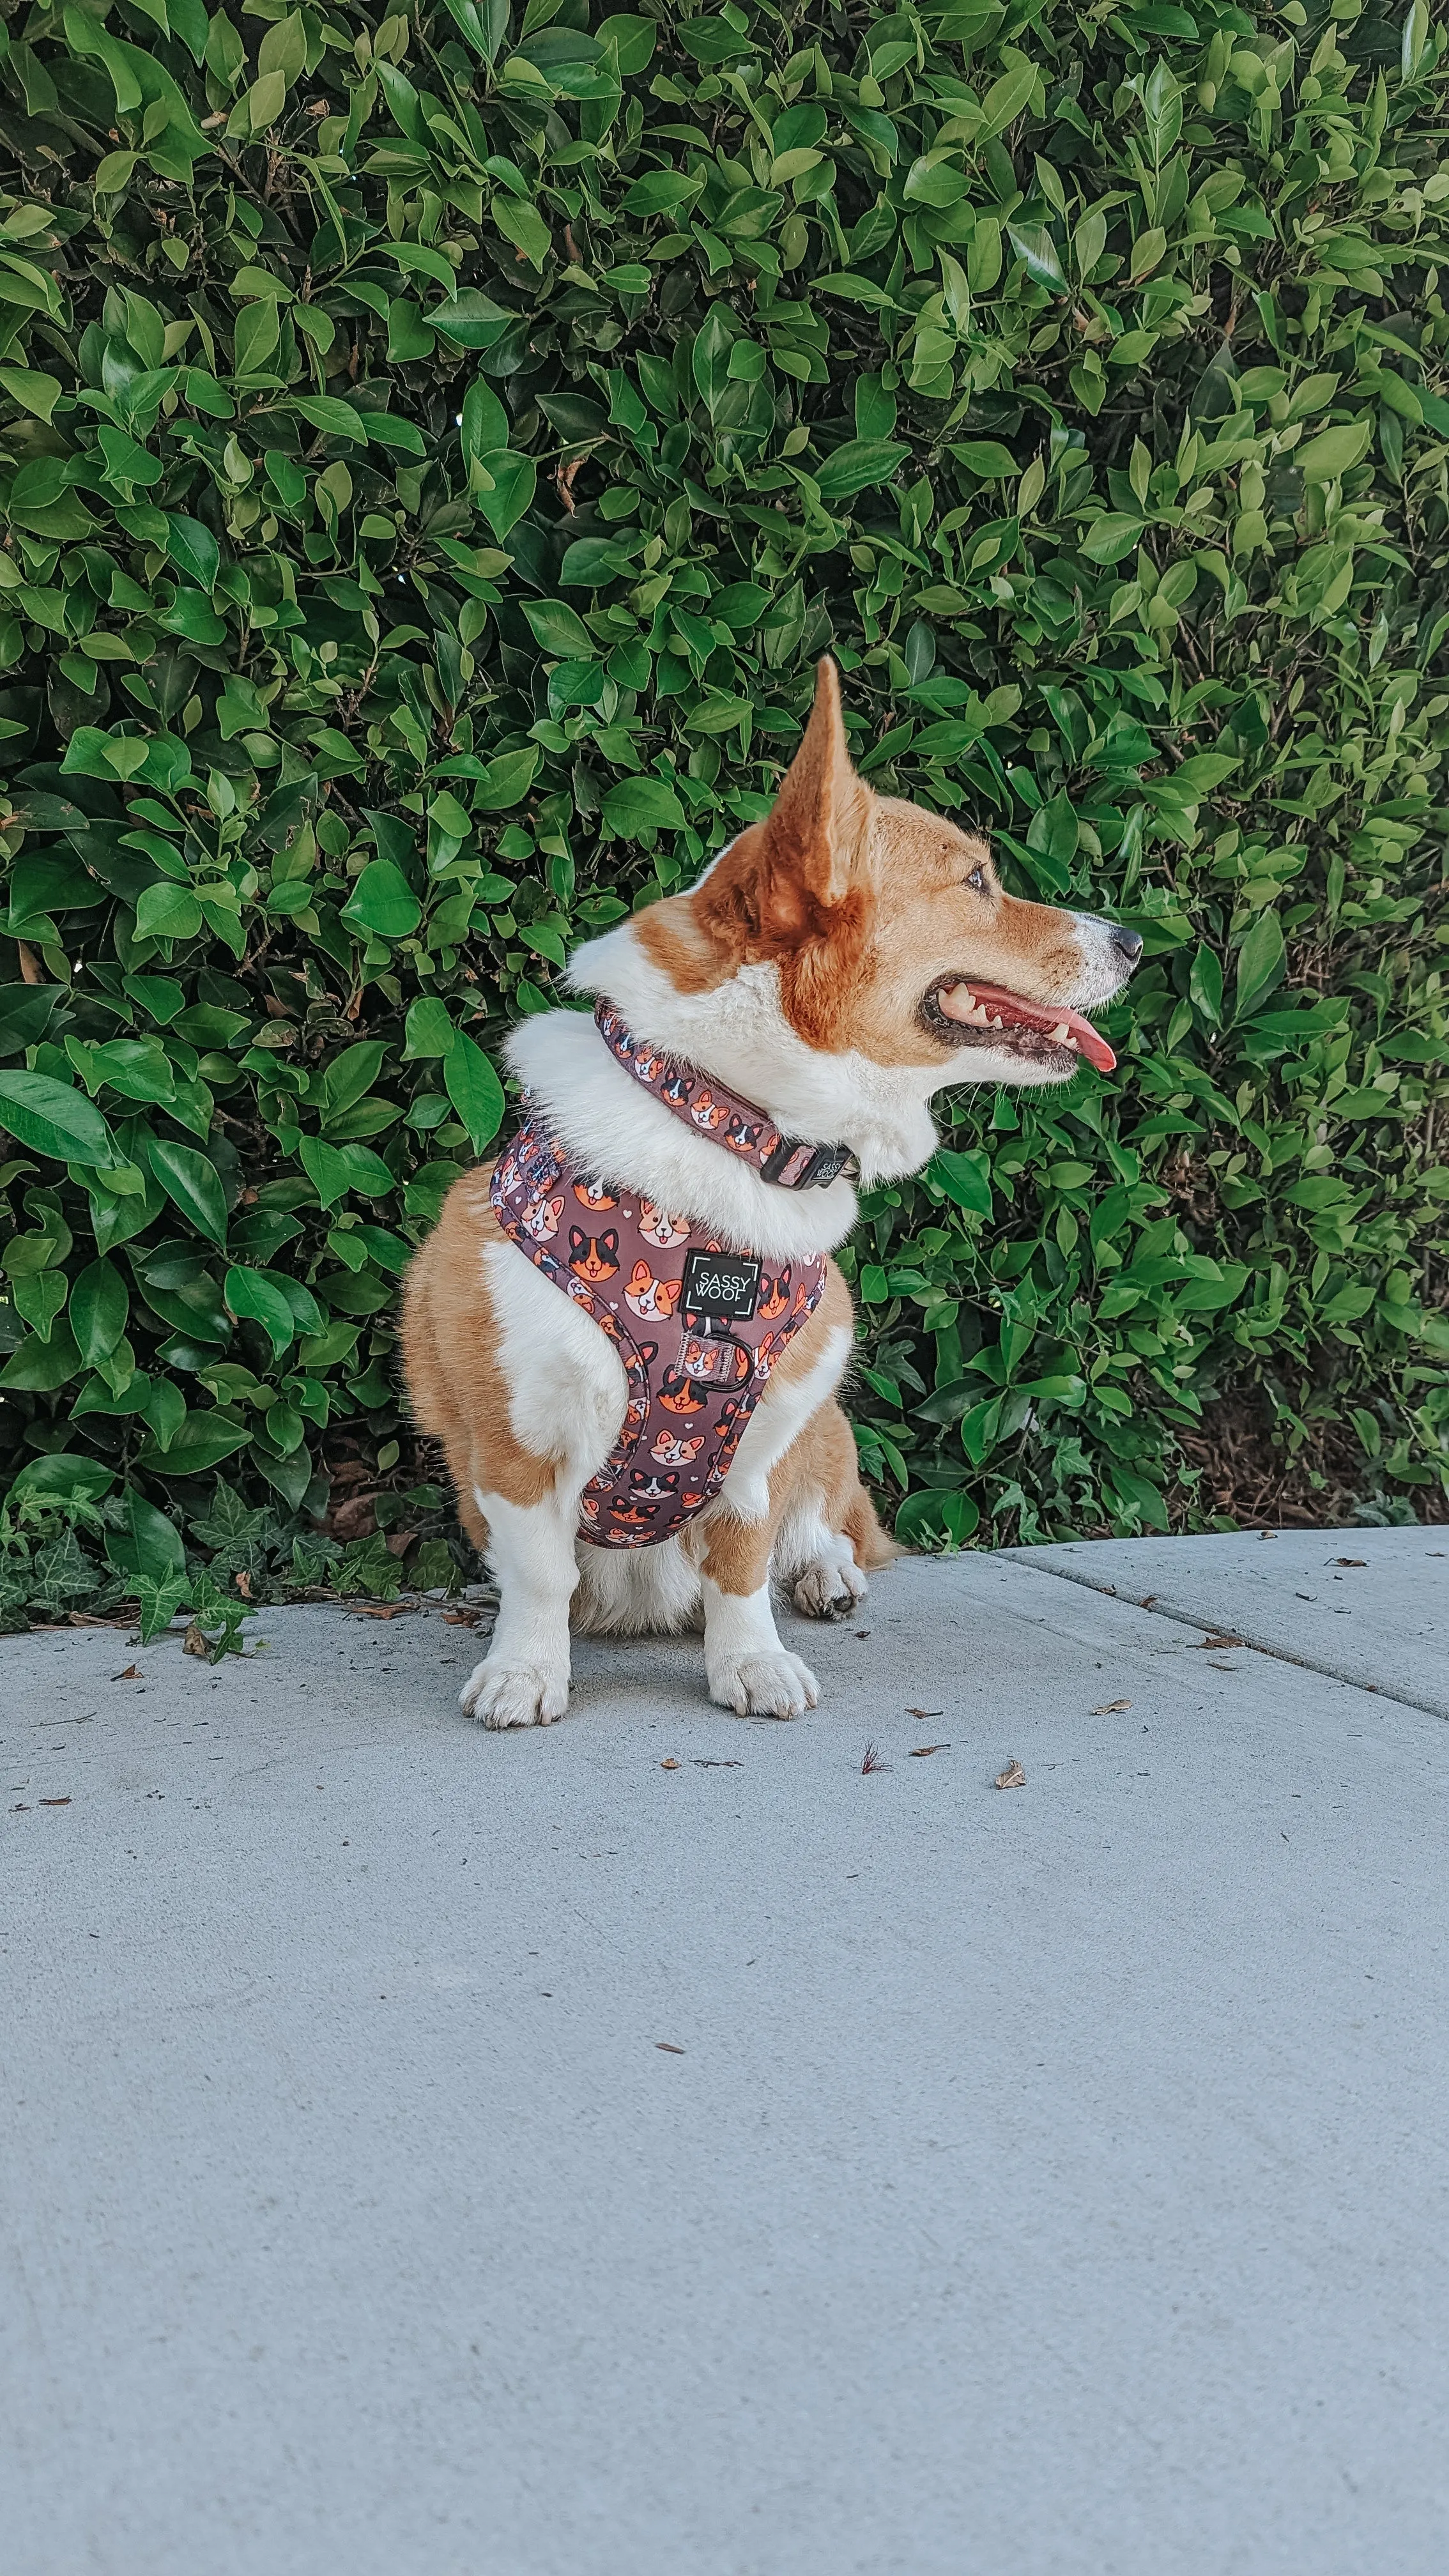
pixel 837 964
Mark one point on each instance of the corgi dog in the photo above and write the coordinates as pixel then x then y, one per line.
pixel 837 965
pixel 775 1295
pixel 593 1257
pixel 708 1112
pixel 661 1229
pixel 541 1219
pixel 672 1451
pixel 591 1193
pixel 654 1299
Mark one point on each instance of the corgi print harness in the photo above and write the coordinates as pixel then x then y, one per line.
pixel 698 1325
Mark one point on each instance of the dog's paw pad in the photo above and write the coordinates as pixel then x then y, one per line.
pixel 777 1685
pixel 829 1589
pixel 513 1695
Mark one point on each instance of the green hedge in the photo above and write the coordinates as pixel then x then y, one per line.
pixel 436 447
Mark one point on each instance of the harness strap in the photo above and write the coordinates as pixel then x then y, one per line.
pixel 699 1329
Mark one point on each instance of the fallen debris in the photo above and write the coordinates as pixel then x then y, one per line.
pixel 129 1673
pixel 55 1802
pixel 1205 1645
pixel 716 1762
pixel 194 1643
pixel 872 1760
pixel 1013 1777
pixel 669 1764
pixel 1111 1707
pixel 669 2048
pixel 461 1618
pixel 925 1712
pixel 919 1751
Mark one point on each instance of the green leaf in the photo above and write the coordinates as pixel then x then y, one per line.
pixel 192 1184
pixel 474 1090
pixel 635 805
pixel 252 1296
pixel 859 466
pixel 1262 961
pixel 66 1475
pixel 52 1118
pixel 146 1543
pixel 382 902
pixel 964 1178
pixel 558 628
pixel 99 1305
pixel 1333 451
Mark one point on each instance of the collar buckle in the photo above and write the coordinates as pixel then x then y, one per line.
pixel 800 1166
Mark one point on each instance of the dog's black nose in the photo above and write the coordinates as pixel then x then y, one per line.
pixel 1128 944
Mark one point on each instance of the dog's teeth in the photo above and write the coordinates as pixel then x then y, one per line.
pixel 993 1020
pixel 1061 1035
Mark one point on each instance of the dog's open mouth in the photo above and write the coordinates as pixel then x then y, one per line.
pixel 1043 1032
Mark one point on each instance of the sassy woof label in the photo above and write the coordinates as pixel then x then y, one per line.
pixel 722 1285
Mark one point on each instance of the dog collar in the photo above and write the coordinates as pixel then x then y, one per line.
pixel 791 1162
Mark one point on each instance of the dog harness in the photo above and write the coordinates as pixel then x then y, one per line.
pixel 698 1325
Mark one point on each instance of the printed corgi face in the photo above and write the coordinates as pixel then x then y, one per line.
pixel 593 1257
pixel 891 933
pixel 676 1086
pixel 654 1298
pixel 774 1296
pixel 679 1395
pixel 541 1220
pixel 591 1193
pixel 707 1112
pixel 741 1137
pixel 672 1450
pixel 658 1227
pixel 648 1064
pixel 644 1488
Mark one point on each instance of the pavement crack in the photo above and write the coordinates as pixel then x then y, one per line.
pixel 1157 1609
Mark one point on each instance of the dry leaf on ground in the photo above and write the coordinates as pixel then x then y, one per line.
pixel 919 1751
pixel 1111 1707
pixel 130 1673
pixel 1013 1777
pixel 669 1765
pixel 669 2048
pixel 925 1712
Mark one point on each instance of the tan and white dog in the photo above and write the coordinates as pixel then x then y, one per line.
pixel 837 964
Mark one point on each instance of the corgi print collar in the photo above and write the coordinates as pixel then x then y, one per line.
pixel 704 1104
pixel 699 1329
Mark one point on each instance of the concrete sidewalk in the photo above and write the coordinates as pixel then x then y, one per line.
pixel 432 2153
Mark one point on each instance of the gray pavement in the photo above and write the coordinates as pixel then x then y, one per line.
pixel 433 2153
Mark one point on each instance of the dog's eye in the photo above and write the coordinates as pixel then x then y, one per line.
pixel 977 881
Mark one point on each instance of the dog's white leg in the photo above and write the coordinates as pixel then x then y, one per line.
pixel 749 1669
pixel 523 1679
pixel 817 1564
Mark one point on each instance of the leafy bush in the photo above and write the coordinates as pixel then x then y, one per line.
pixel 435 449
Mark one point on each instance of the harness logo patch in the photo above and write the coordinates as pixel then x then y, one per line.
pixel 721 1285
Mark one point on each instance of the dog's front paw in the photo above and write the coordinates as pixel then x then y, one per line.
pixel 829 1588
pixel 776 1685
pixel 502 1694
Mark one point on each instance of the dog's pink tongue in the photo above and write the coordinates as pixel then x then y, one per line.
pixel 962 1001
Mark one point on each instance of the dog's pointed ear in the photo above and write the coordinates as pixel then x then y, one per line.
pixel 815 835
